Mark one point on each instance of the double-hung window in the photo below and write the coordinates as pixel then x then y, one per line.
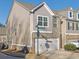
pixel 77 16
pixel 70 14
pixel 70 26
pixel 77 26
pixel 54 21
pixel 42 21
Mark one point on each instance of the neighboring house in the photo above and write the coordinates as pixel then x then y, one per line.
pixel 22 27
pixel 69 26
pixel 3 35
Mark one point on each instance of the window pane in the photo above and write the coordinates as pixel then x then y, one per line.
pixel 70 14
pixel 78 16
pixel 45 19
pixel 45 23
pixel 40 23
pixel 77 26
pixel 54 21
pixel 54 25
pixel 39 18
pixel 70 26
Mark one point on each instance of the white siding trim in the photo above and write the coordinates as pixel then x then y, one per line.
pixel 58 43
pixel 46 6
pixel 72 33
pixel 44 31
pixel 31 28
pixel 49 10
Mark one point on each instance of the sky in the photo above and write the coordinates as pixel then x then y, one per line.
pixel 5 6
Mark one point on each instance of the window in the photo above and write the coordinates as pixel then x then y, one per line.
pixel 77 16
pixel 54 21
pixel 70 14
pixel 70 26
pixel 42 21
pixel 77 26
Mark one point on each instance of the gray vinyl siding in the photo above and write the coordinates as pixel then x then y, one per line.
pixel 22 16
pixel 42 11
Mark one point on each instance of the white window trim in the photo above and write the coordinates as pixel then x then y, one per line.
pixel 44 31
pixel 47 20
pixel 77 16
pixel 69 14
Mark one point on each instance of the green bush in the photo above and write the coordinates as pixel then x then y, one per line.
pixel 70 47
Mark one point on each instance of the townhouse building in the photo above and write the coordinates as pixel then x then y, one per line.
pixel 69 26
pixel 34 26
pixel 22 30
pixel 3 35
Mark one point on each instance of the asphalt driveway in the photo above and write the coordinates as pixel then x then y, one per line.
pixel 3 56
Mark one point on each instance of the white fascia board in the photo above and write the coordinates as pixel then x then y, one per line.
pixel 49 10
pixel 46 6
pixel 36 7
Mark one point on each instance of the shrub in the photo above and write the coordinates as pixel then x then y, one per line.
pixel 70 47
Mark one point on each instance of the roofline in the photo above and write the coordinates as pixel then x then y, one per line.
pixel 19 3
pixel 37 7
pixel 50 11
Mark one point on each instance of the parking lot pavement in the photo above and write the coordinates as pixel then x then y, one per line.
pixel 3 56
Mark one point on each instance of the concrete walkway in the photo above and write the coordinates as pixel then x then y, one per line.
pixel 74 56
pixel 61 54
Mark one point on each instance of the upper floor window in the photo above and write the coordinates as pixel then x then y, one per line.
pixel 42 21
pixel 70 14
pixel 77 26
pixel 77 16
pixel 54 21
pixel 70 26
